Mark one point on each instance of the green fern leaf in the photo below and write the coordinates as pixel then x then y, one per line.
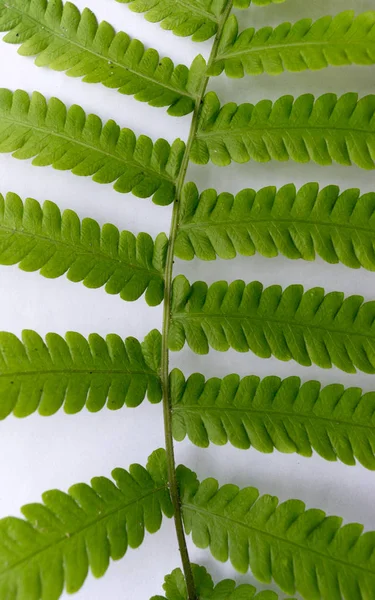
pixel 302 550
pixel 196 18
pixel 76 373
pixel 272 413
pixel 227 590
pixel 175 588
pixel 308 327
pixel 70 140
pixel 246 3
pixel 66 40
pixel 62 538
pixel 42 239
pixel 325 130
pixel 297 224
pixel 345 39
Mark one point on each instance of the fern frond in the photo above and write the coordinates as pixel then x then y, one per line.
pixel 345 39
pixel 66 40
pixel 325 130
pixel 246 3
pixel 227 590
pixel 301 550
pixel 175 588
pixel 196 18
pixel 43 376
pixel 272 413
pixel 306 326
pixel 42 239
pixel 175 585
pixel 62 538
pixel 338 227
pixel 67 139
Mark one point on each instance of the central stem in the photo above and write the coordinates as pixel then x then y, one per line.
pixel 167 405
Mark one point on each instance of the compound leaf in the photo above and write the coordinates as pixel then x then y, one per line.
pixel 66 40
pixel 306 326
pixel 75 372
pixel 228 590
pixel 345 39
pixel 175 588
pixel 338 227
pixel 246 3
pixel 325 130
pixel 62 538
pixel 301 550
pixel 196 18
pixel 42 239
pixel 67 139
pixel 272 413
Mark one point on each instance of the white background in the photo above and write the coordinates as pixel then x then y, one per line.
pixel 43 453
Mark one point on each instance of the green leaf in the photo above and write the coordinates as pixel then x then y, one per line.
pixel 227 590
pixel 306 326
pixel 42 239
pixel 43 376
pixel 69 140
pixel 62 538
pixel 338 227
pixel 196 18
pixel 301 550
pixel 345 39
pixel 246 3
pixel 272 413
pixel 325 130
pixel 66 40
pixel 175 588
